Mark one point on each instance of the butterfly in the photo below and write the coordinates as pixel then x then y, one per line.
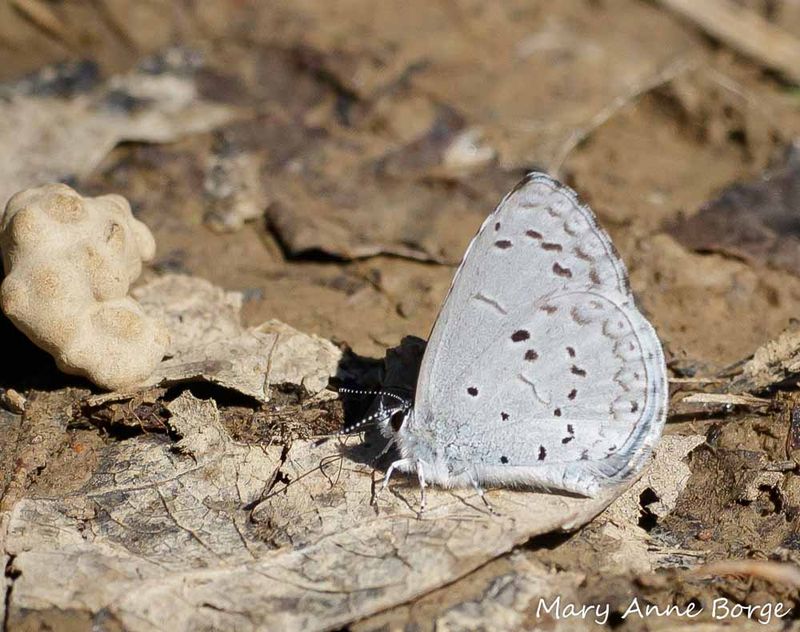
pixel 540 371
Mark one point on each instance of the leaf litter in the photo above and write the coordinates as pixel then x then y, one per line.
pixel 176 535
pixel 49 137
pixel 185 525
pixel 372 110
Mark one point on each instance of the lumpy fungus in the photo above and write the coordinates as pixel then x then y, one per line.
pixel 69 261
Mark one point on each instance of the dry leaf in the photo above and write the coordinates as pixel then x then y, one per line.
pixel 774 363
pixel 518 598
pixel 662 482
pixel 341 199
pixel 209 342
pixel 160 538
pixel 755 221
pixel 47 138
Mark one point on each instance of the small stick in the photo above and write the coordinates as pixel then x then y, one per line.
pixel 774 572
pixel 672 70
pixel 744 31
pixel 43 18
pixel 726 398
pixel 696 380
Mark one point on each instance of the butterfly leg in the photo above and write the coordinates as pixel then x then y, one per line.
pixel 386 448
pixel 390 471
pixel 421 477
pixel 482 494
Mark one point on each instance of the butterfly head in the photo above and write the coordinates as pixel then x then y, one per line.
pixel 392 424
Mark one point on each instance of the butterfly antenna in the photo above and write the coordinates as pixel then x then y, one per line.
pixel 364 421
pixel 364 392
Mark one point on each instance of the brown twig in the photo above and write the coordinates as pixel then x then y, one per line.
pixel 775 572
pixel 666 74
pixel 744 31
pixel 43 18
pixel 726 399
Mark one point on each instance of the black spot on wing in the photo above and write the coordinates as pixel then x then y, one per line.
pixel 503 460
pixel 542 453
pixel 520 335
pixel 504 416
pixel 551 246
pixel 581 254
pixel 572 394
pixel 578 371
pixel 503 244
pixel 576 316
pixel 534 234
pixel 531 355
pixel 472 391
pixel 557 412
pixel 562 271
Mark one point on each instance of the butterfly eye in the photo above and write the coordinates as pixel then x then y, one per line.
pixel 396 422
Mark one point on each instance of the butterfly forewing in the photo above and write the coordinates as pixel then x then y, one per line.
pixel 539 361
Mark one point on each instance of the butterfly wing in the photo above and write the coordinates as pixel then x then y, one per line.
pixel 540 370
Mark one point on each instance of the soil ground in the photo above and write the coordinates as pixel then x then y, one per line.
pixel 352 96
